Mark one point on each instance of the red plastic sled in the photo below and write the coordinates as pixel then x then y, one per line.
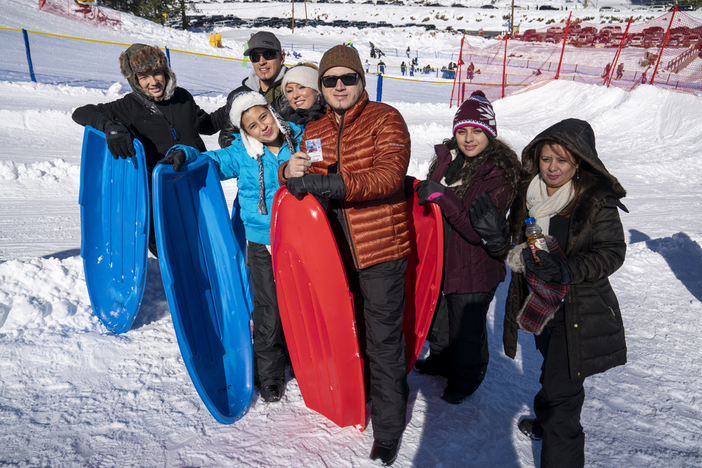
pixel 316 309
pixel 424 269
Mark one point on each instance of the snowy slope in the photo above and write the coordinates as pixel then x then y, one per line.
pixel 74 395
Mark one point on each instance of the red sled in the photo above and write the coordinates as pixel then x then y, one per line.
pixel 425 267
pixel 316 310
pixel 316 305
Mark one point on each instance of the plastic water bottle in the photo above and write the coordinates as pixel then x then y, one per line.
pixel 535 237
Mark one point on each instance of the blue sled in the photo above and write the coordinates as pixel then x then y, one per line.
pixel 114 218
pixel 203 271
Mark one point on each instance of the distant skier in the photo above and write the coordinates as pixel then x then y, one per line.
pixel 620 71
pixel 408 52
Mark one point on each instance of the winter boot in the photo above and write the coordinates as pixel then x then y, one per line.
pixel 531 428
pixel 432 366
pixel 453 396
pixel 270 393
pixel 385 451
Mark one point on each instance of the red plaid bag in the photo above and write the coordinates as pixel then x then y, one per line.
pixel 543 299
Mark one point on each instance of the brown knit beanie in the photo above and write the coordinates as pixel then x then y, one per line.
pixel 341 56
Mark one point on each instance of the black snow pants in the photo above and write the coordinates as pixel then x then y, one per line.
pixel 559 402
pixel 379 299
pixel 458 337
pixel 270 352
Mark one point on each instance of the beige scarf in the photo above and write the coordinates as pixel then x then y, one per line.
pixel 541 206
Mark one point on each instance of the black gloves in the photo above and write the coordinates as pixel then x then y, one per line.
pixel 428 191
pixel 550 270
pixel 329 186
pixel 176 159
pixel 119 140
pixel 409 186
pixel 489 222
pixel 226 134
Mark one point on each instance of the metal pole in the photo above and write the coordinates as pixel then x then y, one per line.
pixel 665 41
pixel 565 37
pixel 379 91
pixel 29 55
pixel 504 69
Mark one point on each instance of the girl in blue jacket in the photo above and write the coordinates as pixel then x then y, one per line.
pixel 253 158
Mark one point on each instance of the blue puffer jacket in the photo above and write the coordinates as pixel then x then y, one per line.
pixel 235 163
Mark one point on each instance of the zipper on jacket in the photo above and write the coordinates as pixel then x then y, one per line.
pixel 342 202
pixel 576 342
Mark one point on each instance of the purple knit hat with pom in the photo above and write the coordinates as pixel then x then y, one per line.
pixel 476 111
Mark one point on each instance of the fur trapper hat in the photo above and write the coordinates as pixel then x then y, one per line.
pixel 341 56
pixel 141 58
pixel 304 74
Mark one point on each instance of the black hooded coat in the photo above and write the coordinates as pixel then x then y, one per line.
pixel 595 249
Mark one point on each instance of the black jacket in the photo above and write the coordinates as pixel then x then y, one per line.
pixel 275 96
pixel 157 125
pixel 594 250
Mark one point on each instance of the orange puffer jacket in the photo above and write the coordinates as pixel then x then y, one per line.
pixel 370 148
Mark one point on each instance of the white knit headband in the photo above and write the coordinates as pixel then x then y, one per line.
pixel 302 75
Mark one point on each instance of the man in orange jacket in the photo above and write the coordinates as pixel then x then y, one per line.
pixel 365 154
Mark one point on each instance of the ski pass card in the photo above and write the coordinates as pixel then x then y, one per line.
pixel 314 150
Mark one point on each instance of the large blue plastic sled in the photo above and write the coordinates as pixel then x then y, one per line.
pixel 209 297
pixel 114 215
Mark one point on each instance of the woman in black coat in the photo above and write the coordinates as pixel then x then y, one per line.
pixel 157 113
pixel 565 298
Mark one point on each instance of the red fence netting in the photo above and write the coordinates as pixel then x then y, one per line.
pixel 665 51
pixel 82 11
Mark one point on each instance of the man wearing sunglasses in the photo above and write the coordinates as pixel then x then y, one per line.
pixel 365 151
pixel 267 57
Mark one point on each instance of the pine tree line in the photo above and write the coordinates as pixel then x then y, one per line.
pixel 157 11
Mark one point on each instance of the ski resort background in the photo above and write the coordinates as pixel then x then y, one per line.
pixel 72 394
pixel 664 51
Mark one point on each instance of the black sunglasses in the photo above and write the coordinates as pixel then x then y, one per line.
pixel 349 79
pixel 266 54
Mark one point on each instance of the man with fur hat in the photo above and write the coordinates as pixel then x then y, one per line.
pixel 157 112
pixel 268 58
pixel 366 151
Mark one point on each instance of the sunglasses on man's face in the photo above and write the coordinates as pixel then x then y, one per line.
pixel 349 79
pixel 266 54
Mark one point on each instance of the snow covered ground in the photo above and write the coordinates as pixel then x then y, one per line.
pixel 74 395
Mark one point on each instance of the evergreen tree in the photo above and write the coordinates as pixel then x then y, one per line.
pixel 154 10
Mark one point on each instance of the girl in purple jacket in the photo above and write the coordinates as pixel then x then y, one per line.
pixel 473 166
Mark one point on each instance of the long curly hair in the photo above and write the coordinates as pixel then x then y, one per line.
pixel 498 152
